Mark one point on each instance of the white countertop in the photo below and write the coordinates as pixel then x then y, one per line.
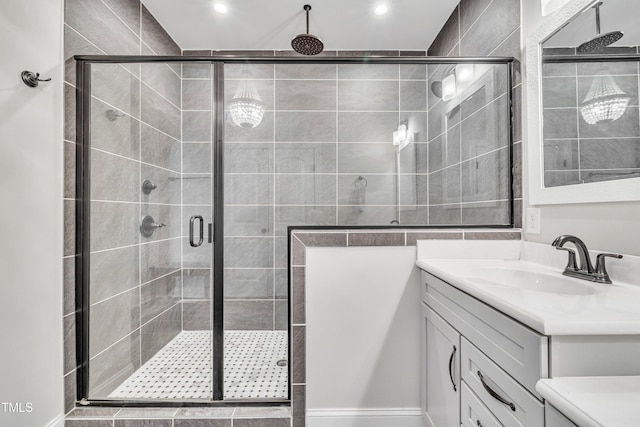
pixel 612 309
pixel 595 401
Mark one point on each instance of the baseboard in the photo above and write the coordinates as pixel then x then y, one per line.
pixel 57 422
pixel 384 417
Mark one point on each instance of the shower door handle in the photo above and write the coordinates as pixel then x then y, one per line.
pixel 191 222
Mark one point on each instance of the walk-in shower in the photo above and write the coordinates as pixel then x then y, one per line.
pixel 193 168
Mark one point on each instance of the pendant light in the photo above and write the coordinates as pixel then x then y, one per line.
pixel 605 101
pixel 246 106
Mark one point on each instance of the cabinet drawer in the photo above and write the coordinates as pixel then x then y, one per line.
pixel 473 413
pixel 485 377
pixel 519 350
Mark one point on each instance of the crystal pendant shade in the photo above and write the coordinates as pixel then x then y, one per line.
pixel 605 101
pixel 246 107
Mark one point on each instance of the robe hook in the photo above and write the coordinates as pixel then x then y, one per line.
pixel 32 79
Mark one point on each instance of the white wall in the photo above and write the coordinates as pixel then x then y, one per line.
pixel 613 227
pixel 363 321
pixel 31 216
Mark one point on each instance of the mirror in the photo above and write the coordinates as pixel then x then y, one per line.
pixel 583 113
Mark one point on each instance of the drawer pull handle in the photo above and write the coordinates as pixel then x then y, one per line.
pixel 494 394
pixel 453 354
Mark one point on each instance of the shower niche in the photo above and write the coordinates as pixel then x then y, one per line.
pixel 193 168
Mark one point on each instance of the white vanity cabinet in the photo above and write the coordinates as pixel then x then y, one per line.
pixel 530 341
pixel 479 366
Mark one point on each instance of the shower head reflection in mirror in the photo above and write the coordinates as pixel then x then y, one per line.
pixel 571 160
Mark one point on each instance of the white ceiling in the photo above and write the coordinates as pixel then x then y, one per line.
pixel 271 24
pixel 615 15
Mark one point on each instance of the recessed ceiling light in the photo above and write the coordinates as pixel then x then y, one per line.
pixel 220 8
pixel 381 9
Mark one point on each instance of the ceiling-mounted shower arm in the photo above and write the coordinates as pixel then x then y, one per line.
pixel 600 41
pixel 597 8
pixel 307 8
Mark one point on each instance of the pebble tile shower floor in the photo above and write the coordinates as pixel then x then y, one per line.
pixel 182 369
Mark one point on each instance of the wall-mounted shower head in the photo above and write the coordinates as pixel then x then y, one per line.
pixel 307 44
pixel 601 41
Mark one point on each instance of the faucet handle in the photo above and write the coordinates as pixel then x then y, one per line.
pixel 601 271
pixel 571 263
pixel 600 267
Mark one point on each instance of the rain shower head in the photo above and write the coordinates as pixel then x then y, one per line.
pixel 598 43
pixel 601 41
pixel 307 44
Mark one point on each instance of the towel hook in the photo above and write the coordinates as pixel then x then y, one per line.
pixel 32 79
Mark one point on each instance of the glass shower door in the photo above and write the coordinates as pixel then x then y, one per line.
pixel 255 262
pixel 148 280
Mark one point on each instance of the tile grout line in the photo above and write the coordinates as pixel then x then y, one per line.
pixel 516 30
pixel 66 24
pixel 138 36
pixel 460 35
pixel 138 119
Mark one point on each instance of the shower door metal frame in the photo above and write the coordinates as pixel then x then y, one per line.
pixel 83 204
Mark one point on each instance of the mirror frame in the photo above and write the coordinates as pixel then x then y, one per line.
pixel 596 192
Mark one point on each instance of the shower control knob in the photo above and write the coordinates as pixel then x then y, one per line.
pixel 149 225
pixel 148 186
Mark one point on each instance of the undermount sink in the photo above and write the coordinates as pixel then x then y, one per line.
pixel 532 281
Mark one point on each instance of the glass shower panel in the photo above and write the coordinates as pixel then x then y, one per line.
pixel 346 145
pixel 150 176
pixel 255 274
pixel 381 114
pixel 469 144
pixel 255 266
pixel 308 144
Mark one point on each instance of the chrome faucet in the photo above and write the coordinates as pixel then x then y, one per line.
pixel 586 270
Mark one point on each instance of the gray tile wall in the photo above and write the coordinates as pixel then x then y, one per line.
pixel 475 28
pixel 574 150
pixel 136 283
